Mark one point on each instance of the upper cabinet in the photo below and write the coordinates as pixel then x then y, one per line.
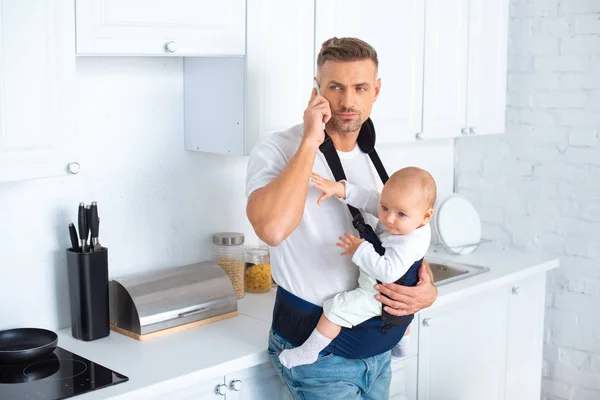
pixel 279 65
pixel 466 45
pixel 486 86
pixel 395 30
pixel 161 27
pixel 37 72
pixel 445 89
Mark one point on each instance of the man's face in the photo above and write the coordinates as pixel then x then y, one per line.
pixel 351 87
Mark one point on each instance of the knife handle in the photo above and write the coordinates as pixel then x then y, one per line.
pixel 83 227
pixel 94 220
pixel 74 238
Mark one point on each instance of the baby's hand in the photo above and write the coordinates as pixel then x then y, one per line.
pixel 329 188
pixel 350 243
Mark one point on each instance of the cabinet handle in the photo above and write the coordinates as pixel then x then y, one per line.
pixel 419 135
pixel 235 385
pixel 427 321
pixel 472 130
pixel 74 168
pixel 221 389
pixel 515 290
pixel 464 131
pixel 171 46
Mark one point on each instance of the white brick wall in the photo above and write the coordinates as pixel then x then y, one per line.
pixel 538 186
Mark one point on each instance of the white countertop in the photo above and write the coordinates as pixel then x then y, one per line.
pixel 181 359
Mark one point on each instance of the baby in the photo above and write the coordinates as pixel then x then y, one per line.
pixel 404 211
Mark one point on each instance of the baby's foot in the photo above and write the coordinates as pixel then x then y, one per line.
pixel 298 356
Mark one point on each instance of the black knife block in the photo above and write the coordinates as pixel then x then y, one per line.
pixel 88 294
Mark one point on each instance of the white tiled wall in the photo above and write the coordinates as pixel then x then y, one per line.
pixel 538 186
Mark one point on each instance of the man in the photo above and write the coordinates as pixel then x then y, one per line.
pixel 306 264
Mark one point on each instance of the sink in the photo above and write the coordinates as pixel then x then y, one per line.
pixel 446 272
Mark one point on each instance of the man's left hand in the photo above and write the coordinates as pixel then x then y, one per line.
pixel 406 300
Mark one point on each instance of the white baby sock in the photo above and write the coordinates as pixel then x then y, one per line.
pixel 307 353
pixel 401 349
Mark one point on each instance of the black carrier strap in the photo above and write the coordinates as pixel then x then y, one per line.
pixel 366 143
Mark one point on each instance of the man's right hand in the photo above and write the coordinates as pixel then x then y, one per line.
pixel 316 114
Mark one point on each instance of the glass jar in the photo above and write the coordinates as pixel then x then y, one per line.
pixel 258 270
pixel 228 252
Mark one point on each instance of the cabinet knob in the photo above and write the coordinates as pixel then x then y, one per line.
pixel 465 131
pixel 171 46
pixel 74 168
pixel 427 321
pixel 515 290
pixel 472 130
pixel 221 389
pixel 235 385
pixel 419 136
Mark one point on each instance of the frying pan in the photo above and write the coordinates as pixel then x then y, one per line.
pixel 25 345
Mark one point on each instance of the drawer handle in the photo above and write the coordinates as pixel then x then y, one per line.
pixel 171 46
pixel 221 389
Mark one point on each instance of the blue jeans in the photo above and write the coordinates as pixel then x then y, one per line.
pixel 333 377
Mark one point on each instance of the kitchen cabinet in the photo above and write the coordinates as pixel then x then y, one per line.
pixel 525 338
pixel 404 378
pixel 255 383
pixel 279 66
pixel 446 51
pixel 465 67
pixel 210 389
pixel 395 30
pixel 462 348
pixel 161 27
pixel 487 69
pixel 488 346
pixel 260 382
pixel 37 72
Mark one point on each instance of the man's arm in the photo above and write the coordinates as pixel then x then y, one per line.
pixel 406 300
pixel 276 209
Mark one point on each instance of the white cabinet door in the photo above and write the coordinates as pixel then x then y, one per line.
pixel 462 349
pixel 404 378
pixel 256 383
pixel 395 30
pixel 445 89
pixel 147 27
pixel 37 68
pixel 279 65
pixel 488 41
pixel 525 338
pixel 205 390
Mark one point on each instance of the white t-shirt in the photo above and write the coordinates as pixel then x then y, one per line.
pixel 401 251
pixel 307 263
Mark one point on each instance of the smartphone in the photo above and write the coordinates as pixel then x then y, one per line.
pixel 316 84
pixel 317 87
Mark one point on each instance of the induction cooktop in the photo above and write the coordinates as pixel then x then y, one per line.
pixel 59 376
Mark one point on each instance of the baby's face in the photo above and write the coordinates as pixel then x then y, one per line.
pixel 403 208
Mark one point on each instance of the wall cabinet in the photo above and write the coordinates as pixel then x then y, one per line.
pixel 279 66
pixel 466 44
pixel 37 72
pixel 395 30
pixel 161 27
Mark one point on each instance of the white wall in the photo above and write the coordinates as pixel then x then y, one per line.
pixel 158 203
pixel 538 187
